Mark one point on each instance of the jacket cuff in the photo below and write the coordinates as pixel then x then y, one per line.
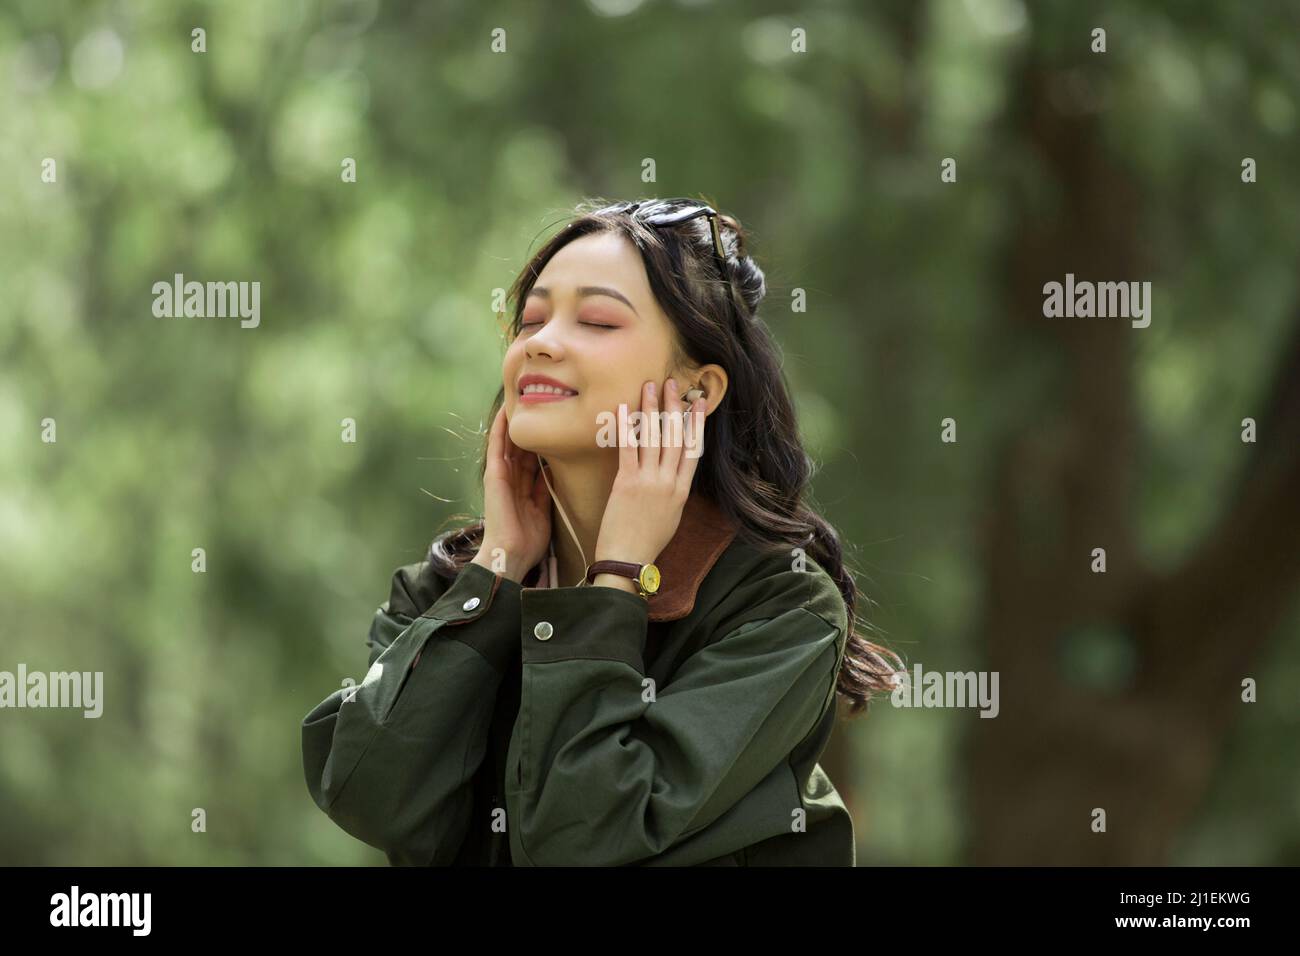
pixel 480 609
pixel 593 622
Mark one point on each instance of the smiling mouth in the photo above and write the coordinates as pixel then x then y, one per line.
pixel 537 394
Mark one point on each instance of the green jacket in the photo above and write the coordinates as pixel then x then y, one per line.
pixel 505 725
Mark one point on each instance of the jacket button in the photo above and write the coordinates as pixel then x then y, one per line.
pixel 543 631
pixel 471 604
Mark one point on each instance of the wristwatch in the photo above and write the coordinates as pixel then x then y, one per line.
pixel 645 576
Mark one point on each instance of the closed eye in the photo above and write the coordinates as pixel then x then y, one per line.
pixel 594 325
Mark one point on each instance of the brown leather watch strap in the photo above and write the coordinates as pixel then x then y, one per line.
pixel 625 568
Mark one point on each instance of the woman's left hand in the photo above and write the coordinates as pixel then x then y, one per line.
pixel 653 482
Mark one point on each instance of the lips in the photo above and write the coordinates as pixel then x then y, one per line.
pixel 540 398
pixel 544 386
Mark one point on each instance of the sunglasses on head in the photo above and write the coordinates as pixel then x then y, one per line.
pixel 679 216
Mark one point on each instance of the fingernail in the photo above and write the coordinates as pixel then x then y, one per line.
pixel 672 386
pixel 652 389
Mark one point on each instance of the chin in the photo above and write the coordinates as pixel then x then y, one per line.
pixel 532 436
pixel 550 442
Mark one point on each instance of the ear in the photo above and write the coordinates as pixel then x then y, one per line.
pixel 711 384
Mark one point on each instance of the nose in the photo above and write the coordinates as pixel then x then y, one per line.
pixel 545 341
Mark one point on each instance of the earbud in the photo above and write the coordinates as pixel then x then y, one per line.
pixel 689 398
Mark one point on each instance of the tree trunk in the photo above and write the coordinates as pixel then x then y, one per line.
pixel 1143 752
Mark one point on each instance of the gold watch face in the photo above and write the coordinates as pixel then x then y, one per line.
pixel 650 578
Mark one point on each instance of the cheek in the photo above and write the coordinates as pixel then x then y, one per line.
pixel 622 385
pixel 621 359
pixel 511 363
pixel 613 369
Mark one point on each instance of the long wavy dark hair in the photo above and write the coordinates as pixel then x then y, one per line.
pixel 757 471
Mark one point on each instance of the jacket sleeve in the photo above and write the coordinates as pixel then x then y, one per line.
pixel 391 760
pixel 605 770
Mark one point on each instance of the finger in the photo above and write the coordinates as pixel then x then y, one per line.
pixel 695 442
pixel 650 418
pixel 522 469
pixel 626 450
pixel 524 461
pixel 512 452
pixel 672 436
pixel 532 463
pixel 494 451
pixel 541 493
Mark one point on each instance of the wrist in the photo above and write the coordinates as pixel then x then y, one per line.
pixel 498 564
pixel 617 552
pixel 606 580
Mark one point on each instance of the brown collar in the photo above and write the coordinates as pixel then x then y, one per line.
pixel 703 533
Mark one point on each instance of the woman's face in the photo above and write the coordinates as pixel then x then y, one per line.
pixel 592 324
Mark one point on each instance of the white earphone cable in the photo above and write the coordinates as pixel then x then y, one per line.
pixel 556 498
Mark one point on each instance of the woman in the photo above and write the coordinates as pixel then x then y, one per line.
pixel 653 682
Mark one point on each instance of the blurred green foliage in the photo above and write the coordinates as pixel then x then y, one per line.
pixel 376 305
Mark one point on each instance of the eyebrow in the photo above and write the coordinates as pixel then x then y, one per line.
pixel 587 290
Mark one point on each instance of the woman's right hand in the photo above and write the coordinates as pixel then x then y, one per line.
pixel 516 506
